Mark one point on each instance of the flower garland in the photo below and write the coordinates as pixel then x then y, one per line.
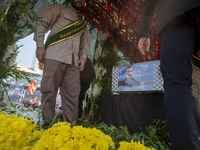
pixel 95 88
pixel 17 133
pixel 105 57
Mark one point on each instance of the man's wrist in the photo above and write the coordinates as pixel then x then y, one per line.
pixel 40 44
pixel 83 57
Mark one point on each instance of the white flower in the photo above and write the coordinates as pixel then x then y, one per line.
pixel 89 91
pixel 99 71
pixel 98 51
pixel 84 103
pixel 96 90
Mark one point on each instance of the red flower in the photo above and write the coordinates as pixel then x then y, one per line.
pixel 86 117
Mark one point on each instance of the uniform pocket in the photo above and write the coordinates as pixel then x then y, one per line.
pixel 46 84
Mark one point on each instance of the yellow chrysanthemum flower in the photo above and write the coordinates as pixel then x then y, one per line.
pixel 54 137
pixel 17 133
pixel 62 137
pixel 132 146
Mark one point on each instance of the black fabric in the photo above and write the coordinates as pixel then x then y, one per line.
pixel 132 110
pixel 178 40
pixel 166 10
pixel 86 77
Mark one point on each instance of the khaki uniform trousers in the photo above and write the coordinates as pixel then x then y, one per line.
pixel 196 86
pixel 67 77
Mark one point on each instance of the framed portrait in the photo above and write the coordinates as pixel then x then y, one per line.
pixel 145 76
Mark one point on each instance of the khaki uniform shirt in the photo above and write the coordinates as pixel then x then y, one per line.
pixel 69 51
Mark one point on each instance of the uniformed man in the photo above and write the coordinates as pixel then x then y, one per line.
pixel 64 56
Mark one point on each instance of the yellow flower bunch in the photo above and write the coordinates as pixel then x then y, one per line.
pixel 54 137
pixel 132 146
pixel 20 133
pixel 17 133
pixel 91 138
pixel 62 137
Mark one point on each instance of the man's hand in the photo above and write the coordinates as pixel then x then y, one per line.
pixel 40 54
pixel 144 45
pixel 81 63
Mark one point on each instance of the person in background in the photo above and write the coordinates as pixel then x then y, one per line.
pixel 86 77
pixel 88 74
pixel 27 103
pixel 64 56
pixel 179 29
pixel 15 97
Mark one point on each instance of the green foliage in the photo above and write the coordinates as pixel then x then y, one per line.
pixel 117 134
pixel 108 61
pixel 156 135
pixel 15 18
pixel 65 2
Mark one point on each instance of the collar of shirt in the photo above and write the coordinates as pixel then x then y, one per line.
pixel 73 14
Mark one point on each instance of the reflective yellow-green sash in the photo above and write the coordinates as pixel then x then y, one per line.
pixel 196 62
pixel 65 33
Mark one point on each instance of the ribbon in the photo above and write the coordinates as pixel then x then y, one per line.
pixel 93 12
pixel 101 15
pixel 86 10
pixel 107 14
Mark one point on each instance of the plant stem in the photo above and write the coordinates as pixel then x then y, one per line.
pixel 5 14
